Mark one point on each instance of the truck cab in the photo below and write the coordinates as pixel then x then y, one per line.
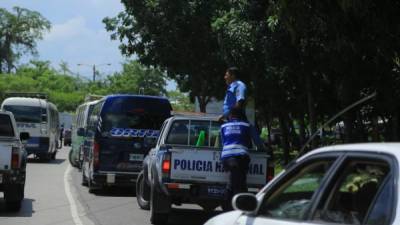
pixel 12 161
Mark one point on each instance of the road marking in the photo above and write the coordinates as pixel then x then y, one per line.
pixel 71 200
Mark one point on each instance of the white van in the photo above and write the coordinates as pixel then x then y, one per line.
pixel 39 118
pixel 80 121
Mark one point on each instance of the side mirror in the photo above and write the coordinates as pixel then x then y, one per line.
pixel 245 202
pixel 80 132
pixel 23 136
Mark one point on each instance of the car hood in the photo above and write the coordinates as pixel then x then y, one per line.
pixel 228 218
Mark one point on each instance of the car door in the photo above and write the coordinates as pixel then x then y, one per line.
pixel 288 200
pixel 357 188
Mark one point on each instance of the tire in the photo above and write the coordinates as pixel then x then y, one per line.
pixel 92 188
pixel 157 199
pixel 13 197
pixel 142 195
pixel 53 155
pixel 84 179
pixel 71 160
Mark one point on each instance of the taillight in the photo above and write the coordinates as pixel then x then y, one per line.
pixel 96 154
pixel 15 158
pixel 270 173
pixel 166 164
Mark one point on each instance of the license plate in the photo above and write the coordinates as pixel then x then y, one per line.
pixel 216 191
pixel 110 178
pixel 135 157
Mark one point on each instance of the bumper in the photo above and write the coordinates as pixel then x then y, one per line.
pixel 37 145
pixel 111 178
pixel 193 193
pixel 11 178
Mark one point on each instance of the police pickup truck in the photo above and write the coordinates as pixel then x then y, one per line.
pixel 12 161
pixel 185 167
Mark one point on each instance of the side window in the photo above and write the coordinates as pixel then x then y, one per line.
pixel 199 132
pixel 6 127
pixel 292 197
pixel 352 192
pixel 178 133
pixel 383 207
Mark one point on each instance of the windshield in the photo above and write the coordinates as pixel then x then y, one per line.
pixel 132 120
pixel 6 128
pixel 26 114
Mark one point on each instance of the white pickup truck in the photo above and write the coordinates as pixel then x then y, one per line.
pixel 12 161
pixel 185 167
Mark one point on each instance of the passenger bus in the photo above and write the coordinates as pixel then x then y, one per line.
pixel 120 132
pixel 40 119
pixel 80 121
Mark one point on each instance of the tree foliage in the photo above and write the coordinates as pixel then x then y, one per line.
pixel 303 60
pixel 137 79
pixel 175 36
pixel 19 31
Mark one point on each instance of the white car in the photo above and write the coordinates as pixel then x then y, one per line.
pixel 342 184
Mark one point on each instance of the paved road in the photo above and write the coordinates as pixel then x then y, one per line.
pixel 54 196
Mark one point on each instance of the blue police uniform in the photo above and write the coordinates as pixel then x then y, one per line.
pixel 236 139
pixel 235 92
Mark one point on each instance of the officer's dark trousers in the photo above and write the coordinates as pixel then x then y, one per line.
pixel 237 167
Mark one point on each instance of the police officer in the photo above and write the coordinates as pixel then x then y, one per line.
pixel 236 139
pixel 235 98
pixel 235 94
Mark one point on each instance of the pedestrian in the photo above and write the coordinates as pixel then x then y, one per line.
pixel 236 141
pixel 61 134
pixel 235 96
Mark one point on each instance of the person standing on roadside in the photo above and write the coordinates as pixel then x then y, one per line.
pixel 236 141
pixel 235 97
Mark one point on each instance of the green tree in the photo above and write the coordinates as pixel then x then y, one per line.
pixel 175 36
pixel 180 101
pixel 137 79
pixel 19 31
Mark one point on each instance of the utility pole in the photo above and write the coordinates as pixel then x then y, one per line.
pixel 94 68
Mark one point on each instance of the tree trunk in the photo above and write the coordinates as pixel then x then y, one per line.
pixel 285 138
pixel 202 103
pixel 311 108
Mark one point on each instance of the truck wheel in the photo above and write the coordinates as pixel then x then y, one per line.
pixel 84 179
pixel 71 160
pixel 13 196
pixel 142 192
pixel 53 155
pixel 157 201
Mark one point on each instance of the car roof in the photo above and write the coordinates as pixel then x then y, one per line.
pixel 135 96
pixel 25 101
pixel 392 148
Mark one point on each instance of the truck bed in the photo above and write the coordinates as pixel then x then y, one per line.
pixel 203 165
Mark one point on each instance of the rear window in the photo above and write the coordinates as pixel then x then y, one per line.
pixel 195 133
pixel 6 128
pixel 134 116
pixel 26 114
